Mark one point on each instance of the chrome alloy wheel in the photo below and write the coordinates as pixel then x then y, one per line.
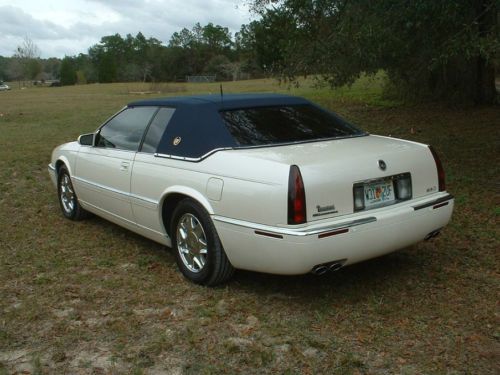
pixel 67 194
pixel 192 243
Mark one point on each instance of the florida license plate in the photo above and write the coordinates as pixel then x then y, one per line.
pixel 379 193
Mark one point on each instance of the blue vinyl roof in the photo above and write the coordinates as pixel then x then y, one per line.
pixel 227 101
pixel 197 120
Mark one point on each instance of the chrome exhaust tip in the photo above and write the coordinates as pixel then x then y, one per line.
pixel 335 266
pixel 432 234
pixel 321 269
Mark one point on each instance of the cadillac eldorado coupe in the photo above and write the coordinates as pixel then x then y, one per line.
pixel 261 182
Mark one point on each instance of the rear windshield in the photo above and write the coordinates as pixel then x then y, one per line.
pixel 284 124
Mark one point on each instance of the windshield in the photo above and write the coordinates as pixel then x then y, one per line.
pixel 285 124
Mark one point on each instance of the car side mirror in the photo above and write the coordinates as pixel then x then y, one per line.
pixel 86 139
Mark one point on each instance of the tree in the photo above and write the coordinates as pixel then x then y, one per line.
pixel 246 48
pixel 199 46
pixel 109 56
pixel 183 39
pixel 176 64
pixel 216 38
pixel 27 50
pixel 52 66
pixel 430 49
pixel 221 67
pixel 68 71
pixel 147 53
pixel 28 57
pixel 4 67
pixel 127 59
pixel 33 68
pixel 15 70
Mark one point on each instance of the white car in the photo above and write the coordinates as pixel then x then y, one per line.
pixel 261 182
pixel 4 86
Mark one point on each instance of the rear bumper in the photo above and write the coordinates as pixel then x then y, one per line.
pixel 360 237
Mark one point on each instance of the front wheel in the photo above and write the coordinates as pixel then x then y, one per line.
pixel 198 250
pixel 68 200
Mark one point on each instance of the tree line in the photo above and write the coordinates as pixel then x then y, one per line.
pixel 26 64
pixel 201 50
pixel 429 49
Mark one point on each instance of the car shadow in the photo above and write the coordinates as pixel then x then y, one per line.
pixel 145 245
pixel 369 278
pixel 400 269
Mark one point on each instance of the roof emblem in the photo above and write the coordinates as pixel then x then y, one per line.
pixel 176 141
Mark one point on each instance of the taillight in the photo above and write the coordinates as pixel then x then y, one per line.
pixel 296 197
pixel 440 170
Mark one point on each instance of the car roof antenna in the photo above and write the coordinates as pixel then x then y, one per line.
pixel 221 94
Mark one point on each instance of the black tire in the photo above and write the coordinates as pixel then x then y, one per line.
pixel 68 201
pixel 199 253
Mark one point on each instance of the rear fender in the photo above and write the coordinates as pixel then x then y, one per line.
pixel 189 193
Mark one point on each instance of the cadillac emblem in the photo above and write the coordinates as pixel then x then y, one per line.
pixel 382 165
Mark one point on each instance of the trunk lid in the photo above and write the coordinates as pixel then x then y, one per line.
pixel 330 169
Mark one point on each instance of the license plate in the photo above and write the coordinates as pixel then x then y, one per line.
pixel 378 193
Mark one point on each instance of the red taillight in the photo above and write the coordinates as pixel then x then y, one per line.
pixel 296 197
pixel 440 170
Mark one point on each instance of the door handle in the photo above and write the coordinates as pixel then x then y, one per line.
pixel 124 166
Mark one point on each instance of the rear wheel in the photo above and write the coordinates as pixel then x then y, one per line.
pixel 68 200
pixel 198 250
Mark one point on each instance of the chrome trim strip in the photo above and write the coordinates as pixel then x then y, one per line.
pixel 103 187
pixel 109 119
pixel 294 232
pixel 120 192
pixel 184 158
pixel 51 168
pixel 433 202
pixel 144 199
pixel 439 205
pixel 363 134
pixel 266 234
pixel 152 230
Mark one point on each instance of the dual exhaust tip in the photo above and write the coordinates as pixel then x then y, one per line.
pixel 432 234
pixel 321 269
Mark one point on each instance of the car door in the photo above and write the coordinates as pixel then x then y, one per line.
pixel 148 176
pixel 103 171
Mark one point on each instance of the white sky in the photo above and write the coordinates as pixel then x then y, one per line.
pixel 70 27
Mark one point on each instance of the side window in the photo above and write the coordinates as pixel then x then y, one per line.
pixel 156 129
pixel 125 130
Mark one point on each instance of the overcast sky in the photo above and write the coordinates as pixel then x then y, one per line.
pixel 70 27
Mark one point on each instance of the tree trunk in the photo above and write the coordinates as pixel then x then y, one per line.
pixel 486 92
pixel 485 89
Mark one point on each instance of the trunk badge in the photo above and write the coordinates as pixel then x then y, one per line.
pixel 382 165
pixel 325 210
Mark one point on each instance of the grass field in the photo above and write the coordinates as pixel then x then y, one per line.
pixel 92 298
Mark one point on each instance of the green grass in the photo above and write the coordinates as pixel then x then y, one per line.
pixel 90 297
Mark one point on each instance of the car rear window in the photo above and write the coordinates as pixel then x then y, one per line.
pixel 284 124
